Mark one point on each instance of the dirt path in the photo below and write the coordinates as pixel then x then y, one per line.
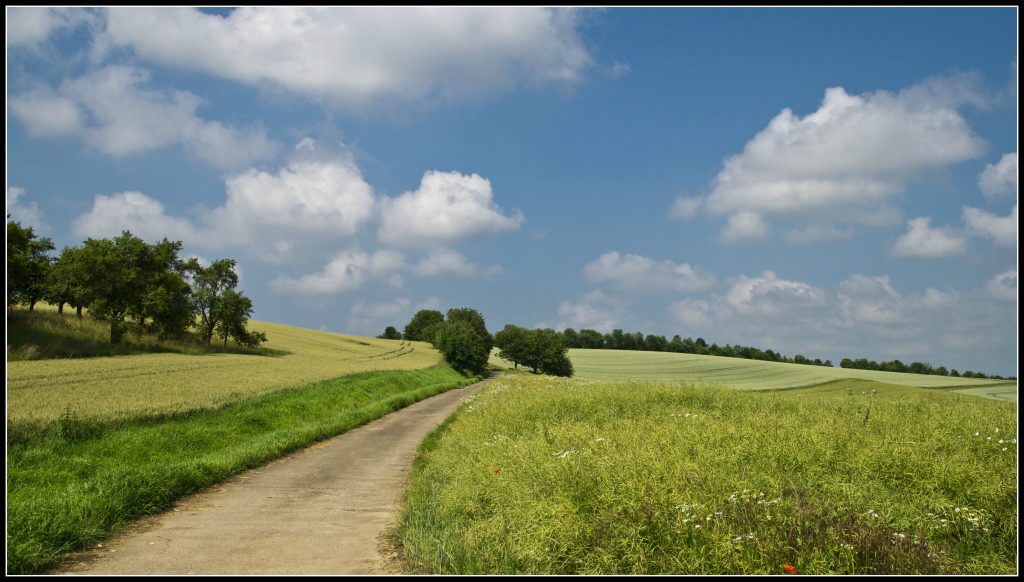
pixel 318 511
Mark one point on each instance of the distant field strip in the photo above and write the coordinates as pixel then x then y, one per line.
pixel 754 374
pixel 123 386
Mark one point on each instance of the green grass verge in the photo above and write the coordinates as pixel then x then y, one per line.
pixel 80 480
pixel 563 476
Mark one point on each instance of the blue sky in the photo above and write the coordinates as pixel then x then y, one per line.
pixel 832 182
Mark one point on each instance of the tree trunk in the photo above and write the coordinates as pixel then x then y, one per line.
pixel 78 311
pixel 60 308
pixel 31 304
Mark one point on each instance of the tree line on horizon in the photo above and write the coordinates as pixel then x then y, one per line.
pixel 617 339
pixel 124 278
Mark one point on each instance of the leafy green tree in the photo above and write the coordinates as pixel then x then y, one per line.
pixel 475 320
pixel 115 274
pixel 28 265
pixel 390 333
pixel 233 312
pixel 209 289
pixel 512 343
pixel 423 325
pixel 65 281
pixel 592 339
pixel 462 346
pixel 546 353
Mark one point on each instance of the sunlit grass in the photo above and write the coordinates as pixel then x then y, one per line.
pixel 122 386
pixel 80 479
pixel 744 374
pixel 553 476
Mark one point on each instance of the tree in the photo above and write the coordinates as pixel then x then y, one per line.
pixel 511 342
pixel 462 346
pixel 208 292
pixel 28 265
pixel 546 353
pixel 475 320
pixel 233 312
pixel 390 333
pixel 423 325
pixel 114 274
pixel 65 285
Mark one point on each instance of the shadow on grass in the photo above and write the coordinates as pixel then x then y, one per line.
pixel 42 335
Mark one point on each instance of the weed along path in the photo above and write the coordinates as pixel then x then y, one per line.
pixel 319 511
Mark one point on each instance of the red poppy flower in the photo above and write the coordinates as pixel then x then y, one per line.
pixel 469 510
pixel 496 470
pixel 789 569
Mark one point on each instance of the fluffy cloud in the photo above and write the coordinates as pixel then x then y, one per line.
pixel 440 261
pixel 1003 286
pixel 595 310
pixel 26 214
pixel 638 273
pixel 134 211
pixel 1000 179
pixel 318 196
pixel 113 110
pixel 768 295
pixel 924 242
pixel 348 270
pixel 843 162
pixel 744 226
pixel 447 208
pixel 686 207
pixel 1002 230
pixel 865 316
pixel 363 56
pixel 29 26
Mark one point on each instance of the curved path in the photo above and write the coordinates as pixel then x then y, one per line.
pixel 321 510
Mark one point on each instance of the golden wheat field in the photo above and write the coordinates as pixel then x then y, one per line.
pixel 123 386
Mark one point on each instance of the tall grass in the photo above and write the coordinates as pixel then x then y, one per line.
pixel 76 480
pixel 553 476
pixel 103 388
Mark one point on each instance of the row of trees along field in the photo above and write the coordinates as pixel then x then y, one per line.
pixel 619 340
pixel 125 277
pixel 463 339
pixel 915 368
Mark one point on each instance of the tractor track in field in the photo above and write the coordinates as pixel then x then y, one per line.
pixel 321 510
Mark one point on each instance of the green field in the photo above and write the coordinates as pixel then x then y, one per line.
pixel 761 375
pixel 148 384
pixel 540 475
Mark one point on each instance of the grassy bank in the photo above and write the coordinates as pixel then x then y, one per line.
pixel 128 386
pixel 76 480
pixel 553 476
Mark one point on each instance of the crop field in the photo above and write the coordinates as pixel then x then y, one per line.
pixel 540 475
pixel 128 386
pixel 759 375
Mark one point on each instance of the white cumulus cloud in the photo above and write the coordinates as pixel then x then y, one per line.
pixel 348 270
pixel 1000 179
pixel 31 25
pixel 744 226
pixel 26 214
pixel 639 273
pixel 447 208
pixel 924 242
pixel 1003 286
pixel 845 161
pixel 363 56
pixel 1001 229
pixel 595 310
pixel 114 110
